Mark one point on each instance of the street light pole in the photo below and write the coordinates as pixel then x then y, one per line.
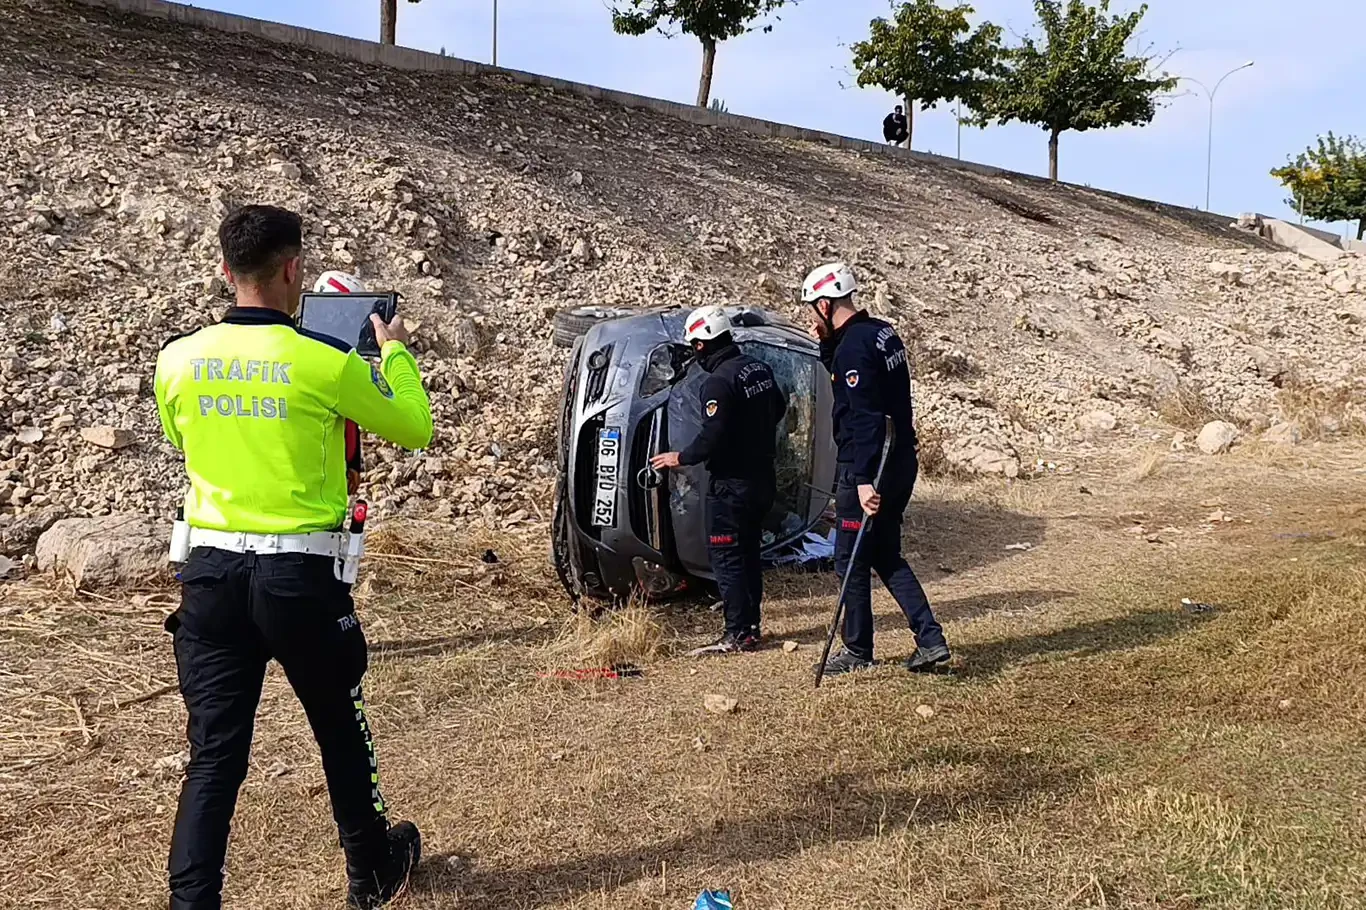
pixel 495 32
pixel 959 118
pixel 1209 142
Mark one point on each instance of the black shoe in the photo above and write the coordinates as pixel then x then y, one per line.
pixel 731 643
pixel 845 661
pixel 927 660
pixel 376 886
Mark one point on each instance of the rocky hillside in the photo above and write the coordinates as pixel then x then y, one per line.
pixel 1046 321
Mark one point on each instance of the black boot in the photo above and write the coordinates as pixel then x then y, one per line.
pixel 731 643
pixel 378 867
pixel 928 660
pixel 845 661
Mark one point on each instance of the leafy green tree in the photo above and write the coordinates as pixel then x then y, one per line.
pixel 388 21
pixel 1079 76
pixel 711 21
pixel 1328 183
pixel 928 54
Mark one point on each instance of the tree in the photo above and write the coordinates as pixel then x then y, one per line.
pixel 1082 77
pixel 388 21
pixel 927 55
pixel 711 21
pixel 1328 183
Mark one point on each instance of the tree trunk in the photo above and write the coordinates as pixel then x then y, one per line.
pixel 388 21
pixel 910 122
pixel 708 67
pixel 1053 155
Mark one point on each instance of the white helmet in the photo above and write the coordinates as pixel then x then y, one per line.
pixel 706 323
pixel 338 283
pixel 834 280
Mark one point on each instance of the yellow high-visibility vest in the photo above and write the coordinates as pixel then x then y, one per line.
pixel 258 407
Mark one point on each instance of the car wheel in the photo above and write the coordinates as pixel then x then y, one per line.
pixel 571 324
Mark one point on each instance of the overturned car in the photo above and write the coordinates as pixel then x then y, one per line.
pixel 631 391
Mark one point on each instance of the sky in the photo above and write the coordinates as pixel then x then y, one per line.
pixel 1307 79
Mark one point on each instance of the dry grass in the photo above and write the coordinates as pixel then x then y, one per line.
pixel 1324 410
pixel 632 635
pixel 1188 408
pixel 930 448
pixel 1095 747
pixel 1153 463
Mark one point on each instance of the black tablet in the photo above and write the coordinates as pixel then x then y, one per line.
pixel 346 317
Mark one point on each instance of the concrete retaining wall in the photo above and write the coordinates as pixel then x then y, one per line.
pixel 1302 241
pixel 1287 229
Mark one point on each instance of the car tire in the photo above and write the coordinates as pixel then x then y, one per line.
pixel 571 324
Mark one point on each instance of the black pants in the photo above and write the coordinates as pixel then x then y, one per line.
pixel 880 551
pixel 236 613
pixel 736 510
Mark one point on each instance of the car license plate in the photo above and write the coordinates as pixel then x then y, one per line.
pixel 609 466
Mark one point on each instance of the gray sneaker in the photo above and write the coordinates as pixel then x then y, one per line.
pixel 845 661
pixel 927 660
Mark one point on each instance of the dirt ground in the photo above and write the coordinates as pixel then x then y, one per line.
pixel 1097 745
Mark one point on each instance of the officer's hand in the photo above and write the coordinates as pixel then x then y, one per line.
pixel 389 331
pixel 664 460
pixel 868 498
pixel 352 482
pixel 817 329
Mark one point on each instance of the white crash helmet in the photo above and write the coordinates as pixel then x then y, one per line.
pixel 706 323
pixel 834 281
pixel 338 283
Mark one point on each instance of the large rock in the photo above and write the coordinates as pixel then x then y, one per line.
pixel 1216 437
pixel 1097 422
pixel 108 437
pixel 1169 341
pixel 1269 365
pixel 1301 241
pixel 1342 281
pixel 19 533
pixel 1230 274
pixel 464 337
pixel 113 551
pixel 1282 434
pixel 978 458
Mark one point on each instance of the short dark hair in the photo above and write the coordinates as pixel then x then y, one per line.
pixel 257 239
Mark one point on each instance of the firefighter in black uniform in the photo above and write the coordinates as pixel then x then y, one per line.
pixel 741 409
pixel 871 382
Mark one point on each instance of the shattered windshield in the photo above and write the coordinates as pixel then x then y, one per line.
pixel 796 375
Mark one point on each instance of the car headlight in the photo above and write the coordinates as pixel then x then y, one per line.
pixel 664 368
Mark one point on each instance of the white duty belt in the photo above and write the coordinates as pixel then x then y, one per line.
pixel 344 548
pixel 317 543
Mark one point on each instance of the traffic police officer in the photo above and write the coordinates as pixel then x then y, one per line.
pixel 741 409
pixel 259 409
pixel 871 382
